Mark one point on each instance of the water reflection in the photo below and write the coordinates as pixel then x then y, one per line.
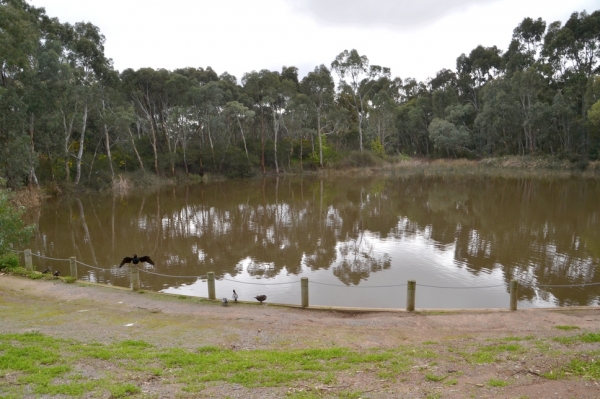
pixel 347 232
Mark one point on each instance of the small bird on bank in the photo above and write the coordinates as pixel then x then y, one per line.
pixel 235 296
pixel 46 270
pixel 56 273
pixel 135 260
pixel 224 301
pixel 261 298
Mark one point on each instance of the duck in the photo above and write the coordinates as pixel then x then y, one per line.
pixel 56 273
pixel 135 260
pixel 261 298
pixel 235 296
pixel 224 301
pixel 46 270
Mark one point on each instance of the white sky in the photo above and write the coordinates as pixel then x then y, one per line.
pixel 415 38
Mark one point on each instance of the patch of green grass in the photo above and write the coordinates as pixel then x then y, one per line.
pixel 588 369
pixel 515 339
pixel 489 353
pixel 69 279
pixel 434 378
pixel 181 297
pixel 451 382
pixel 566 328
pixel 430 343
pixel 493 382
pixel 49 366
pixel 123 390
pixel 586 338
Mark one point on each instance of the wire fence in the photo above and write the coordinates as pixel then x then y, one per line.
pixel 522 284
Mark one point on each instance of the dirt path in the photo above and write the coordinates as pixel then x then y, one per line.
pixel 95 313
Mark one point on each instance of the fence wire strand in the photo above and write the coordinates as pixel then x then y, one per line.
pixel 247 282
pixel 465 288
pixel 357 286
pixel 90 266
pixel 167 275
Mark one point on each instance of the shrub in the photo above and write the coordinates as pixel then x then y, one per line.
pixel 9 261
pixel 12 228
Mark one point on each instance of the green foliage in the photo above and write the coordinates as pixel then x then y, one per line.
pixel 9 261
pixel 12 228
pixel 378 149
pixel 594 114
pixel 192 121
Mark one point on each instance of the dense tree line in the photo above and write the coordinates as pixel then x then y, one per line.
pixel 66 115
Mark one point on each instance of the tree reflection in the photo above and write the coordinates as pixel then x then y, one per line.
pixel 542 232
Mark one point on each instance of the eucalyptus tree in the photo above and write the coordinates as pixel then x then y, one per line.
pixel 497 125
pixel 355 74
pixel 573 50
pixel 279 96
pixel 144 89
pixel 85 54
pixel 209 100
pixel 259 86
pixel 115 116
pixel 299 115
pixel 242 115
pixel 527 87
pixel 318 85
pixel 19 41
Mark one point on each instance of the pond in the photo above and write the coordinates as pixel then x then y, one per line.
pixel 358 240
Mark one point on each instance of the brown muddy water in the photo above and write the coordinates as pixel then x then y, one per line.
pixel 358 240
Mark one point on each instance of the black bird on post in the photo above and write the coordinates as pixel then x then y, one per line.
pixel 135 260
pixel 261 298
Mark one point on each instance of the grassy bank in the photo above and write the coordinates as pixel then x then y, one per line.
pixel 506 167
pixel 32 363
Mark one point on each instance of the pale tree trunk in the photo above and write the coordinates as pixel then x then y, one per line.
pixel 212 148
pixel 107 142
pixel 320 138
pixel 148 112
pixel 81 141
pixel 360 135
pixel 32 177
pixel 172 149
pixel 67 138
pixel 275 130
pixel 243 137
pixel 135 150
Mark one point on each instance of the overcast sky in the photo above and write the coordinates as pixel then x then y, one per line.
pixel 415 38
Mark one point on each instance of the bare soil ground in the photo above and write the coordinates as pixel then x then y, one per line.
pixel 94 313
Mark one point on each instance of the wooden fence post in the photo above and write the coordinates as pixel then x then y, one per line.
pixel 514 289
pixel 304 291
pixel 410 295
pixel 135 278
pixel 28 262
pixel 73 267
pixel 211 286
